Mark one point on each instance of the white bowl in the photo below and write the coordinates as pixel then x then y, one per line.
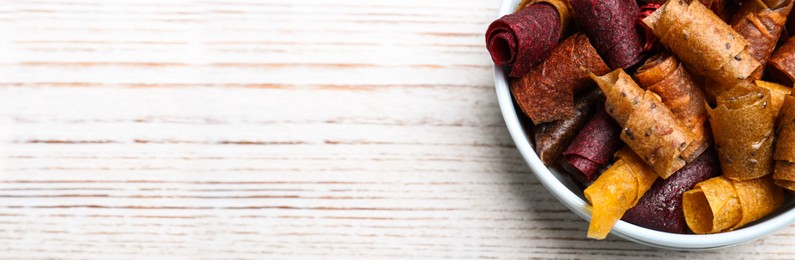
pixel 560 185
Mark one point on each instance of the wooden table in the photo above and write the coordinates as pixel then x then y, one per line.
pixel 271 129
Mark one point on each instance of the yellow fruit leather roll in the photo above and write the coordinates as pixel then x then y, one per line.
pixel 617 190
pixel 664 75
pixel 743 129
pixel 704 42
pixel 721 204
pixel 777 94
pixel 784 173
pixel 650 129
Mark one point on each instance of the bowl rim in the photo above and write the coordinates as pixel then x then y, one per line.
pixel 622 229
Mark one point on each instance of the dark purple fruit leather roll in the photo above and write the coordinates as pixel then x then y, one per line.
pixel 613 29
pixel 661 207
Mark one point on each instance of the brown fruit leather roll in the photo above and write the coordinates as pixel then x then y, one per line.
pixel 742 126
pixel 784 173
pixel 649 127
pixel 781 66
pixel 703 41
pixel 593 147
pixel 761 26
pixel 525 38
pixel 611 24
pixel 661 207
pixel 553 137
pixel 665 76
pixel 547 92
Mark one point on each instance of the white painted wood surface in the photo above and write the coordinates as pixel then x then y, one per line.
pixel 271 129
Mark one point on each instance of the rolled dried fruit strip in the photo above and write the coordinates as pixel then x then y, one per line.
pixel 563 7
pixel 611 24
pixel 760 24
pixel 661 207
pixel 777 94
pixel 525 38
pixel 721 204
pixel 719 7
pixel 615 191
pixel 593 147
pixel 649 127
pixel 743 129
pixel 664 75
pixel 553 137
pixel 781 65
pixel 704 42
pixel 784 173
pixel 547 92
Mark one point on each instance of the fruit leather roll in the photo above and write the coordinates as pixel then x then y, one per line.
pixel 611 26
pixel 649 127
pixel 777 94
pixel 722 204
pixel 562 6
pixel 618 189
pixel 661 207
pixel 781 65
pixel 553 137
pixel 719 7
pixel 784 173
pixel 593 147
pixel 546 93
pixel 761 23
pixel 525 38
pixel 703 41
pixel 742 126
pixel 665 76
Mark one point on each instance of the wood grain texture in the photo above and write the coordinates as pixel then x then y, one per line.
pixel 271 129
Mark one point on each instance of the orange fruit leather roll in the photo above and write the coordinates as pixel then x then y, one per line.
pixel 704 42
pixel 665 76
pixel 777 94
pixel 760 23
pixel 784 173
pixel 721 204
pixel 742 126
pixel 617 190
pixel 650 129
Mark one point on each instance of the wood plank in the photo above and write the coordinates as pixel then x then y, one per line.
pixel 271 129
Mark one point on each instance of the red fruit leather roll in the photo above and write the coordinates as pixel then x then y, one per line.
pixel 593 147
pixel 546 93
pixel 611 25
pixel 661 207
pixel 525 38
